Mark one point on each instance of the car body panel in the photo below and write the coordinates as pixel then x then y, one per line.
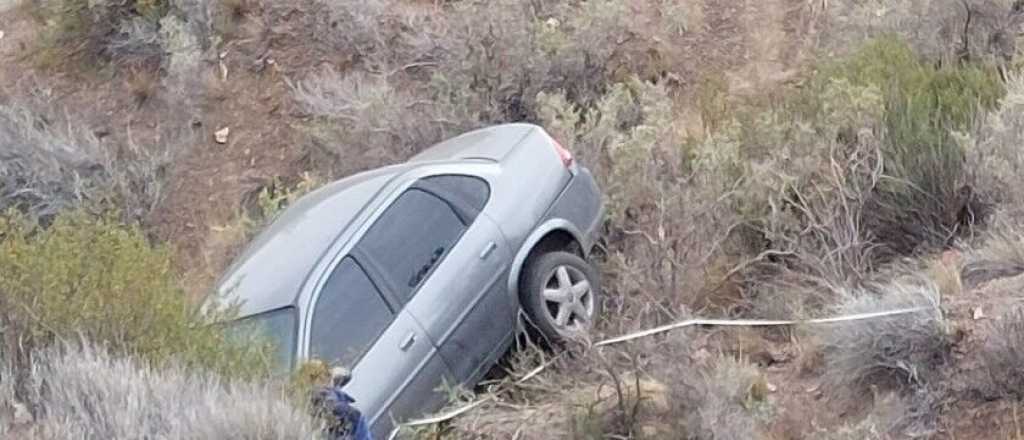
pixel 405 361
pixel 462 316
pixel 463 304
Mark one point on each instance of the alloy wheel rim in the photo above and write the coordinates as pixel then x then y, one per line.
pixel 568 299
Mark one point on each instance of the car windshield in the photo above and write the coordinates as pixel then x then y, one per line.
pixel 276 327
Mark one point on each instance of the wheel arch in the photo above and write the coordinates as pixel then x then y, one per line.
pixel 553 235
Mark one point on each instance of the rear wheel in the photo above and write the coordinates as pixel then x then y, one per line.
pixel 561 294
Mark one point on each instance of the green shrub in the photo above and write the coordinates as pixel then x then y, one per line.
pixel 94 279
pixel 922 196
pixel 928 199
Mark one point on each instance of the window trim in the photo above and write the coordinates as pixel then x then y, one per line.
pixel 313 310
pixel 375 268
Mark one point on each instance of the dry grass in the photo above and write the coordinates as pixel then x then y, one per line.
pixel 939 29
pixel 363 120
pixel 721 401
pixel 993 154
pixel 653 391
pixel 83 392
pixel 899 352
pixel 1003 355
pixel 51 162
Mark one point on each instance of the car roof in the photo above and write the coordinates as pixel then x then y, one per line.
pixel 270 272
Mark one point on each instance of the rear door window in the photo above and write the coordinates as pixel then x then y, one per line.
pixel 411 238
pixel 349 315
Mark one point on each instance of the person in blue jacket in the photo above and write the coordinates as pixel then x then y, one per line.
pixel 346 422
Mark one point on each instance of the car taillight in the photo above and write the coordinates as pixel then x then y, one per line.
pixel 563 153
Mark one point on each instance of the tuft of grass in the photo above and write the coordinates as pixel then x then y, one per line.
pixel 1002 357
pixel 84 391
pixel 896 352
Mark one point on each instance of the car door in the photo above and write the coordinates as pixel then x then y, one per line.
pixel 464 305
pixel 395 363
pixel 444 261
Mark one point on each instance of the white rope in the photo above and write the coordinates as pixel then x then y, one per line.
pixel 662 329
pixel 757 323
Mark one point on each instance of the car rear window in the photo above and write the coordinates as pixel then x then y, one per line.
pixel 349 316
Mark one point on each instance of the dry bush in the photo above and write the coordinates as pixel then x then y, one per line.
pixel 362 120
pixel 651 390
pixel 1003 355
pixel 84 392
pixel 497 56
pixel 137 40
pixel 939 29
pixel 993 152
pixel 722 401
pixel 380 35
pixel 1001 255
pixel 896 352
pixel 103 30
pixel 50 162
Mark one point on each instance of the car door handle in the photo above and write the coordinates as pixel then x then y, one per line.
pixel 407 342
pixel 490 247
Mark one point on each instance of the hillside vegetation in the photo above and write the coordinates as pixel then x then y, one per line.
pixel 780 159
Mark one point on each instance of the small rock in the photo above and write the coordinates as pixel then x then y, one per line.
pixel 978 313
pixel 221 136
pixel 1 35
pixel 772 388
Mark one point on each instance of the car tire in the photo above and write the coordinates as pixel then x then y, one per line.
pixel 561 294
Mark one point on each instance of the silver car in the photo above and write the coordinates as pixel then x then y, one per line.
pixel 413 275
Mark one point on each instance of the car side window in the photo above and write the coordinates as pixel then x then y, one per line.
pixel 472 192
pixel 410 238
pixel 349 315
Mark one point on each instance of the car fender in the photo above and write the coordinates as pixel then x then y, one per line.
pixel 554 224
